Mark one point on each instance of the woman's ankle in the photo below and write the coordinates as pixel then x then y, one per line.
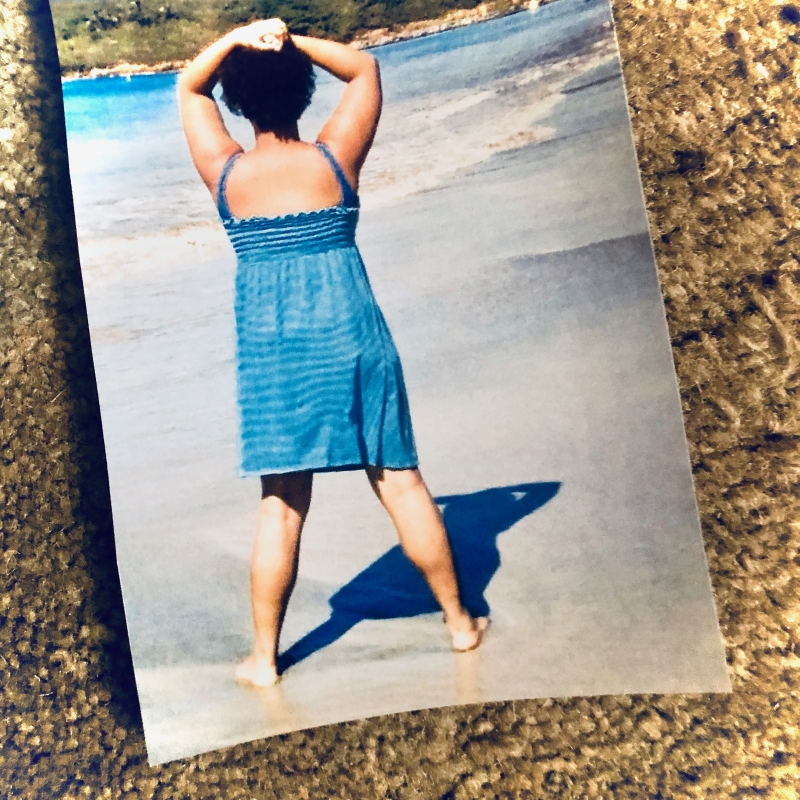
pixel 459 620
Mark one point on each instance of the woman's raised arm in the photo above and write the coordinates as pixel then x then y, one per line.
pixel 210 144
pixel 350 130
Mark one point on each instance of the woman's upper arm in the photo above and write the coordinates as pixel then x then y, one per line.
pixel 351 128
pixel 210 144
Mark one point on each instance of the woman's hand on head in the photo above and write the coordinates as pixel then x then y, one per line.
pixel 264 34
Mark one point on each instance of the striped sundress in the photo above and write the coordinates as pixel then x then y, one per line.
pixel 319 382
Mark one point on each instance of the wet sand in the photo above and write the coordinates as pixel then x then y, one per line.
pixel 523 299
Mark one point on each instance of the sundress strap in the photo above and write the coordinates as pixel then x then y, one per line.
pixel 349 197
pixel 222 203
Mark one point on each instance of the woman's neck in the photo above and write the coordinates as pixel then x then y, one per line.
pixel 268 139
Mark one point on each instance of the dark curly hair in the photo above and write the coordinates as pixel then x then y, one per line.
pixel 270 88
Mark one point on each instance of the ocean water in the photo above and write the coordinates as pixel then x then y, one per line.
pixel 505 236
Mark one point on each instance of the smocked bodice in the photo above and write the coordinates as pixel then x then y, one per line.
pixel 293 234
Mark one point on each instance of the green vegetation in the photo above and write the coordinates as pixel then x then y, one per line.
pixel 102 33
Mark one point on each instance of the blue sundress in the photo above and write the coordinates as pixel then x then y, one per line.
pixel 319 382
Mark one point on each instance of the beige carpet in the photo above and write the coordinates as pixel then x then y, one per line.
pixel 712 88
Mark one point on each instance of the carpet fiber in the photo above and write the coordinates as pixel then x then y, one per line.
pixel 712 88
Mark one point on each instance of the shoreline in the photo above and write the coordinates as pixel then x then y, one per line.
pixel 491 9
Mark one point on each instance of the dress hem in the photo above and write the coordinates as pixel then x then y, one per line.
pixel 323 468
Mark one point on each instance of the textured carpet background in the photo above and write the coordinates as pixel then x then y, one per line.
pixel 712 88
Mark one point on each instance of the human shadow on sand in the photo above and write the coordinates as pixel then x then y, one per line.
pixel 391 587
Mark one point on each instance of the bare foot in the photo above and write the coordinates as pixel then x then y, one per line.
pixel 467 633
pixel 256 672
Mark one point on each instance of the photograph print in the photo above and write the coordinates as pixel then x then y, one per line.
pixel 388 399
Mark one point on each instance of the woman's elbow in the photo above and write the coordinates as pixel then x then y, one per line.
pixel 188 84
pixel 370 66
pixel 183 85
pixel 373 72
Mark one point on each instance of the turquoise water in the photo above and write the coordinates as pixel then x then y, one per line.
pixel 131 169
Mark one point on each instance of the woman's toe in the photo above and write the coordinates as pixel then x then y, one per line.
pixel 469 640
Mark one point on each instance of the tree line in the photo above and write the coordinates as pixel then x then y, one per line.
pixel 103 32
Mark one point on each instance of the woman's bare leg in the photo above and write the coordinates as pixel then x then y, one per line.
pixel 273 569
pixel 424 540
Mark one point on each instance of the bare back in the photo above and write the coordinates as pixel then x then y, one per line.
pixel 281 177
